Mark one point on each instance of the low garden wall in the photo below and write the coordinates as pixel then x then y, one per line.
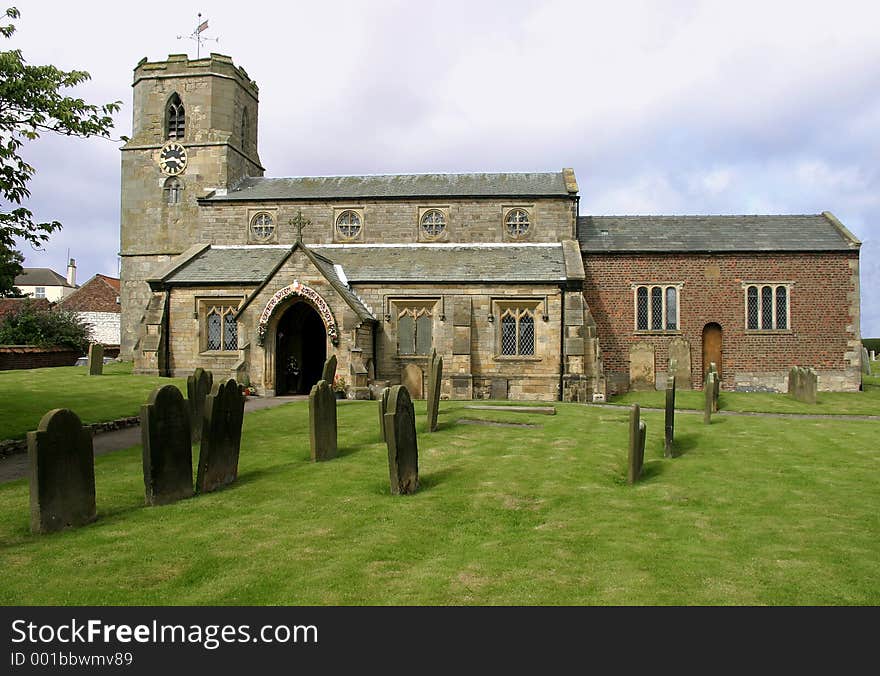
pixel 14 357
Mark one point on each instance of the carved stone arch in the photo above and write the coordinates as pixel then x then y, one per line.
pixel 298 289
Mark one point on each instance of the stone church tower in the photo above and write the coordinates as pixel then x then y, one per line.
pixel 194 131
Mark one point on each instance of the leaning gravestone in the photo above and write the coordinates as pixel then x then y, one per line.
pixel 167 449
pixel 400 436
pixel 96 359
pixel 435 377
pixel 716 386
pixel 803 384
pixel 221 437
pixel 198 387
pixel 412 380
pixel 383 405
pixel 866 362
pixel 636 457
pixel 669 426
pixel 322 422
pixel 61 473
pixel 709 393
pixel 329 372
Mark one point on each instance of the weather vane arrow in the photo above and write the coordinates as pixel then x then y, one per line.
pixel 198 37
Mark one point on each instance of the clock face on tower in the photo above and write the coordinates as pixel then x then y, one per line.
pixel 172 158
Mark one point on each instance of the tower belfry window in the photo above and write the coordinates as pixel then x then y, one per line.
pixel 176 117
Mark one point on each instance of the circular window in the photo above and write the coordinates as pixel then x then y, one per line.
pixel 433 223
pixel 348 225
pixel 517 222
pixel 262 226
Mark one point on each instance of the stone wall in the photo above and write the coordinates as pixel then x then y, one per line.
pixel 823 333
pixel 104 326
pixel 13 357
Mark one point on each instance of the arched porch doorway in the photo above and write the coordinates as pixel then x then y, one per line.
pixel 300 349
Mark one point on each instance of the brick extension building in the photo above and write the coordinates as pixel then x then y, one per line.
pixel 262 278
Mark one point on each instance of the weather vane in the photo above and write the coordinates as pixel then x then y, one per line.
pixel 197 35
pixel 299 223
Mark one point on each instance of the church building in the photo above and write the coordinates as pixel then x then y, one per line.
pixel 261 279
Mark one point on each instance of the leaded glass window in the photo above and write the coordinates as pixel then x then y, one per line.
pixel 433 223
pixel 415 331
pixel 173 190
pixel 657 308
pixel 767 307
pixel 176 117
pixel 348 224
pixel 518 332
pixel 221 328
pixel 262 226
pixel 517 222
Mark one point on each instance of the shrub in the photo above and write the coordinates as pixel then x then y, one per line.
pixel 871 344
pixel 32 325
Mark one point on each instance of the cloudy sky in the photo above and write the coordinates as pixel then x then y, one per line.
pixel 660 107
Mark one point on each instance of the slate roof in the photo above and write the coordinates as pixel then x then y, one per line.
pixel 40 277
pixel 396 186
pixel 820 232
pixel 366 263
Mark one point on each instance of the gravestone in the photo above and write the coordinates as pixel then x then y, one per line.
pixel 167 448
pixel 803 384
pixel 322 422
pixel 638 431
pixel 400 436
pixel 412 380
pixel 61 473
pixel 96 359
pixel 383 405
pixel 680 362
pixel 716 386
pixel 641 366
pixel 221 437
pixel 435 378
pixel 198 387
pixel 709 397
pixel 499 389
pixel 866 362
pixel 669 424
pixel 329 371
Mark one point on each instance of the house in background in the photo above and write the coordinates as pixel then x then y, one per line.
pixel 97 303
pixel 46 283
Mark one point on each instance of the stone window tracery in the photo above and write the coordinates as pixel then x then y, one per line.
pixel 517 223
pixel 767 306
pixel 176 118
pixel 518 331
pixel 262 226
pixel 433 224
pixel 657 307
pixel 414 331
pixel 348 224
pixel 221 329
pixel 173 190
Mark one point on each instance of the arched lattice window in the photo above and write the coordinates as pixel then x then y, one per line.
pixel 518 332
pixel 414 331
pixel 221 328
pixel 433 224
pixel 176 118
pixel 173 190
pixel 657 308
pixel 767 307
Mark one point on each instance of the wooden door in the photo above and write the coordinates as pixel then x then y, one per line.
pixel 712 344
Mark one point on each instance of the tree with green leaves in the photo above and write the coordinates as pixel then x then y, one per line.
pixel 32 102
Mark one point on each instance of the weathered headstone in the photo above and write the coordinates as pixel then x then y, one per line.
pixel 221 437
pixel 400 436
pixel 329 371
pixel 641 366
pixel 716 386
pixel 498 389
pixel 198 387
pixel 96 359
pixel 383 406
pixel 709 394
pixel 803 384
pixel 412 380
pixel 167 447
pixel 61 473
pixel 322 422
pixel 435 378
pixel 866 362
pixel 637 434
pixel 669 425
pixel 680 362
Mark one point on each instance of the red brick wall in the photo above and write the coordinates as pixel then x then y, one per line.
pixel 821 303
pixel 14 357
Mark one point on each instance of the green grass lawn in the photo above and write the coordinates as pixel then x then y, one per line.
pixel 753 511
pixel 25 396
pixel 866 402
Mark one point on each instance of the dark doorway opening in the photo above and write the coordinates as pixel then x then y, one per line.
pixel 300 349
pixel 712 348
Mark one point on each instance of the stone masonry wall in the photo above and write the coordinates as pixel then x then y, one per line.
pixel 824 310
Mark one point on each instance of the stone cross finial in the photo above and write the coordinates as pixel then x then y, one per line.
pixel 299 223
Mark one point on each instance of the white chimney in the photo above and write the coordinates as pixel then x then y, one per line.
pixel 71 272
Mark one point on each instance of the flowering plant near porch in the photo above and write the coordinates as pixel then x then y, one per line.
pixel 339 384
